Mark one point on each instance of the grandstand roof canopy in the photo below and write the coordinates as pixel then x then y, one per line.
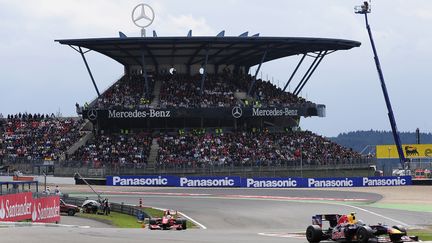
pixel 240 51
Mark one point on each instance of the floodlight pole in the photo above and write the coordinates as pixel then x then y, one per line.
pixel 384 90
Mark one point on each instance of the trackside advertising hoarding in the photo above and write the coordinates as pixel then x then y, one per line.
pixel 16 207
pixel 142 180
pixel 46 209
pixel 22 206
pixel 175 181
pixel 234 181
pixel 411 151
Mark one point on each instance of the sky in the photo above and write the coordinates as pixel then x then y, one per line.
pixel 38 75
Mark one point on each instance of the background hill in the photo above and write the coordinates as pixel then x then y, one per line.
pixel 358 140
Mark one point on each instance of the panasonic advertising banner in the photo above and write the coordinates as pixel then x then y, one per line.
pixel 227 181
pixel 234 181
pixel 142 181
pixel 175 181
pixel 271 182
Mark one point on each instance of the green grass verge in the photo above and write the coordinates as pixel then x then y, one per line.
pixel 408 207
pixel 423 234
pixel 116 219
pixel 154 213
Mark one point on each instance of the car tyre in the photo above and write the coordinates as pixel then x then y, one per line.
pixel 71 212
pixel 364 233
pixel 314 234
pixel 184 224
pixel 152 222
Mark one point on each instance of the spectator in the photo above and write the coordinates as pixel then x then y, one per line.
pixel 248 149
pixel 180 90
pixel 38 137
pixel 117 150
pixel 127 93
pixel 47 190
pixel 57 190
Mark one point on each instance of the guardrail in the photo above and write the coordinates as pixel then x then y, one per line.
pixel 114 207
pixel 331 168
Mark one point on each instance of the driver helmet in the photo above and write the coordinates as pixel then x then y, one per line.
pixel 352 218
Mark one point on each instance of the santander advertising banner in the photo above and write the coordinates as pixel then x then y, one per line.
pixel 22 206
pixel 16 207
pixel 46 209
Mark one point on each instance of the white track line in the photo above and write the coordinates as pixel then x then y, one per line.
pixel 275 199
pixel 194 221
pixel 269 199
pixel 284 235
pixel 285 200
pixel 376 214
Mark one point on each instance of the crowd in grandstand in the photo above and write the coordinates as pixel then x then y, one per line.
pixel 46 137
pixel 271 95
pixel 248 148
pixel 180 90
pixel 114 150
pixel 185 91
pixel 268 94
pixel 38 136
pixel 127 93
pixel 2 153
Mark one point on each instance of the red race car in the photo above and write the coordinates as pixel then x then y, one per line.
pixel 170 220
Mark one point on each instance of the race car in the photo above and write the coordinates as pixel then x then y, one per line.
pixel 90 206
pixel 346 228
pixel 170 220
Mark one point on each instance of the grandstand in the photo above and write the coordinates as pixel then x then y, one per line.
pixel 184 102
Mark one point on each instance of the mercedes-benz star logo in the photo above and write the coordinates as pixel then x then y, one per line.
pixel 237 112
pixel 143 15
pixel 92 114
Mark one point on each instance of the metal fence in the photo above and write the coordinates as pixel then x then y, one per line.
pixel 275 168
pixel 421 164
pixel 13 187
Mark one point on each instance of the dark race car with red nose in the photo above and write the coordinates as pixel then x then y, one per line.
pixel 354 231
pixel 170 220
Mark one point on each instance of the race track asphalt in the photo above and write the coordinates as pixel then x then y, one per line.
pixel 230 215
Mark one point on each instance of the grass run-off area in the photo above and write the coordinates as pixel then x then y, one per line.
pixel 116 219
pixel 423 234
pixel 126 221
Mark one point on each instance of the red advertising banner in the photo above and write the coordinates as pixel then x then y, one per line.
pixel 46 209
pixel 22 206
pixel 16 207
